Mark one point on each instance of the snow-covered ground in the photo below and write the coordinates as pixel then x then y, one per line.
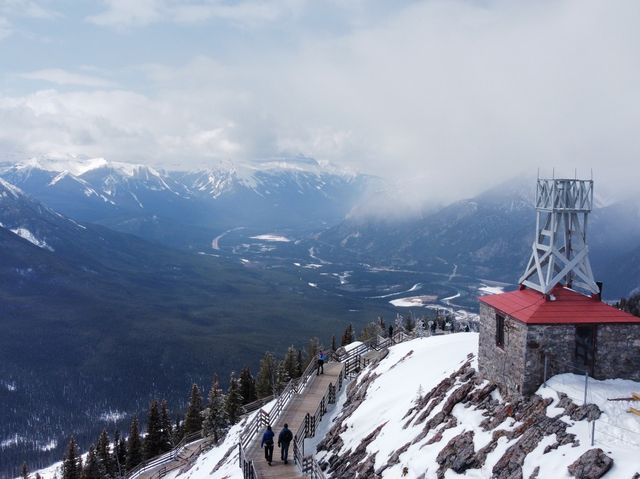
pixel 486 289
pixel 31 238
pixel 415 367
pixel 413 301
pixel 272 237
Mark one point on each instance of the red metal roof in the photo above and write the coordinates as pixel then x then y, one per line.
pixel 569 307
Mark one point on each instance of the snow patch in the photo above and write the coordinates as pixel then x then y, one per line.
pixel 485 289
pixel 24 233
pixel 272 237
pixel 413 301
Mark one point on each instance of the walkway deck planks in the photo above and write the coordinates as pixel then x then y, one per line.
pixel 294 413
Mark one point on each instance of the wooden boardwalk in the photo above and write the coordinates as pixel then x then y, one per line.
pixel 293 415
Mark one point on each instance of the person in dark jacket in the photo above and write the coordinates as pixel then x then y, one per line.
pixel 267 443
pixel 321 360
pixel 284 438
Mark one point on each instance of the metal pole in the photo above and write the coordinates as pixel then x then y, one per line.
pixel 545 370
pixel 593 432
pixel 586 385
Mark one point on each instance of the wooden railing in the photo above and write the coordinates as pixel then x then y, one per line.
pixel 307 463
pixel 262 419
pixel 168 457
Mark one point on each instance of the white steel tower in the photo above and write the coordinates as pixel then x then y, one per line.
pixel 560 251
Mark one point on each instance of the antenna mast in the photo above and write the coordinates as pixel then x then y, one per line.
pixel 560 251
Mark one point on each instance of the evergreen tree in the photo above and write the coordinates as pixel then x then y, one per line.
pixel 247 386
pixel 178 431
pixel 72 464
pixel 215 422
pixel 370 331
pixel 103 454
pixel 153 439
pixel 419 328
pixel 347 336
pixel 165 428
pixel 193 419
pixel 300 364
pixel 233 400
pixel 134 446
pixel 313 348
pixel 333 343
pixel 282 377
pixel 119 454
pixel 399 323
pixel 24 471
pixel 291 363
pixel 266 376
pixel 92 468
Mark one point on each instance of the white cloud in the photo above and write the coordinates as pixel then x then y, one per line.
pixel 5 28
pixel 126 13
pixel 442 97
pixel 64 77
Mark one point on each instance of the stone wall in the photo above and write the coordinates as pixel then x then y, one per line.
pixel 558 343
pixel 504 366
pixel 618 351
pixel 518 367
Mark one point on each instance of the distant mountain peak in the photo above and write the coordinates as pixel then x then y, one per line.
pixel 7 188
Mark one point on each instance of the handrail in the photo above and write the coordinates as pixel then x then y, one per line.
pixel 165 458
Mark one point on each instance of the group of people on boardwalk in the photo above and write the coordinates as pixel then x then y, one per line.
pixel 286 436
pixel 284 439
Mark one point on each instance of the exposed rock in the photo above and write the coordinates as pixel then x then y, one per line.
pixel 534 474
pixel 578 413
pixel 593 464
pixel 355 463
pixel 458 455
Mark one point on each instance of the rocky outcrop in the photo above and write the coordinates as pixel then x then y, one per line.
pixel 593 464
pixel 458 455
pixel 524 423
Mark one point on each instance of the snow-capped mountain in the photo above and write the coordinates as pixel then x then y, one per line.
pixel 281 192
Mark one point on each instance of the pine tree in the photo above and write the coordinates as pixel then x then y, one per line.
pixel 291 362
pixel 247 386
pixel 119 454
pixel 347 336
pixel 103 454
pixel 215 422
pixel 72 464
pixel 153 439
pixel 313 348
pixel 333 342
pixel 178 431
pixel 233 400
pixel 24 471
pixel 92 468
pixel 193 419
pixel 419 328
pixel 165 428
pixel 266 376
pixel 399 323
pixel 282 377
pixel 134 446
pixel 301 366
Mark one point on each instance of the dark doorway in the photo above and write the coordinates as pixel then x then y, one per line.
pixel 586 347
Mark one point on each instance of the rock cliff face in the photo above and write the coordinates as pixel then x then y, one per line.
pixel 510 432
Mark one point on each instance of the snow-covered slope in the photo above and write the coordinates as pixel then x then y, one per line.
pixel 422 412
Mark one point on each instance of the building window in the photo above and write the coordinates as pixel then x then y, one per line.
pixel 499 330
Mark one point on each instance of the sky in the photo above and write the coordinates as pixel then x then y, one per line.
pixel 443 98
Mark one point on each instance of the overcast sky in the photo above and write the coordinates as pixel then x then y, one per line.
pixel 444 97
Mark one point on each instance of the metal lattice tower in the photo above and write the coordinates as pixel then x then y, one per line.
pixel 560 251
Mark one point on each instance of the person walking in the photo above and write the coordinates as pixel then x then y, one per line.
pixel 321 358
pixel 284 438
pixel 267 443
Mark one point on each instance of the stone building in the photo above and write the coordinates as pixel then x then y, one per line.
pixel 577 334
pixel 556 319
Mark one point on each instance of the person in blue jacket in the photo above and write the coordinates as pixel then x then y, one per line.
pixel 267 443
pixel 284 438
